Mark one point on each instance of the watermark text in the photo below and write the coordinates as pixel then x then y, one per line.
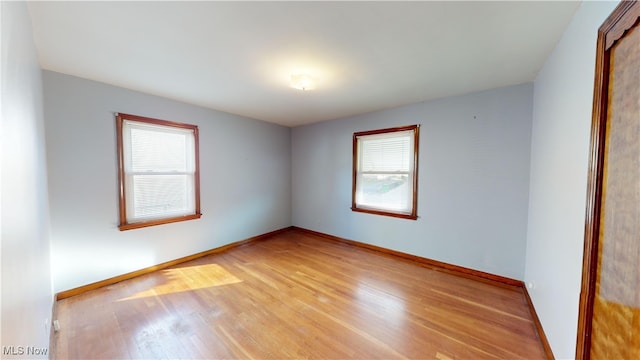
pixel 24 351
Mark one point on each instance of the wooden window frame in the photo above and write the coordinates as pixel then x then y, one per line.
pixel 413 214
pixel 124 224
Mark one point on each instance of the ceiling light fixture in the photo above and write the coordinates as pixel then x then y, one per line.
pixel 304 81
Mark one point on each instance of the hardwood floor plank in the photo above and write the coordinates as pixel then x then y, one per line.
pixel 298 296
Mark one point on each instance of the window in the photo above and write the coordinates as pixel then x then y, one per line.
pixel 385 172
pixel 158 171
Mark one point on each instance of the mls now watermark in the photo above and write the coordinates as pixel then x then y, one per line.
pixel 24 351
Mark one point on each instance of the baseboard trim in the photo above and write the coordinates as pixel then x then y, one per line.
pixel 450 269
pixel 116 279
pixel 53 348
pixel 538 324
pixel 426 262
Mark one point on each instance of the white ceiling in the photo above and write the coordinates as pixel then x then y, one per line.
pixel 238 57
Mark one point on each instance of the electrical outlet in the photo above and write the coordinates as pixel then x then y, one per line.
pixel 56 326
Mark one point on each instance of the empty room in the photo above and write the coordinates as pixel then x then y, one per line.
pixel 330 180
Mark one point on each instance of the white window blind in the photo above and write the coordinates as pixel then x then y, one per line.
pixel 159 166
pixel 386 153
pixel 384 174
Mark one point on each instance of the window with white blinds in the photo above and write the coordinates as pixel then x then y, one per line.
pixel 158 171
pixel 385 164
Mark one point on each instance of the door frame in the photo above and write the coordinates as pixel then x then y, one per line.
pixel 623 18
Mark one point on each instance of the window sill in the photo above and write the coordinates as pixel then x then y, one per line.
pixel 386 213
pixel 137 225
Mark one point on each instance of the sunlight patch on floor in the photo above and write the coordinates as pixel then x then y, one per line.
pixel 188 279
pixel 441 356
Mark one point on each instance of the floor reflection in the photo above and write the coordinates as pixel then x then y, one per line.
pixel 387 306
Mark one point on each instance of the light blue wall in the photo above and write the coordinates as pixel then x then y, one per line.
pixel 245 181
pixel 26 276
pixel 562 109
pixel 473 180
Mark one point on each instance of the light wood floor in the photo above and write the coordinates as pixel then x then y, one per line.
pixel 299 296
